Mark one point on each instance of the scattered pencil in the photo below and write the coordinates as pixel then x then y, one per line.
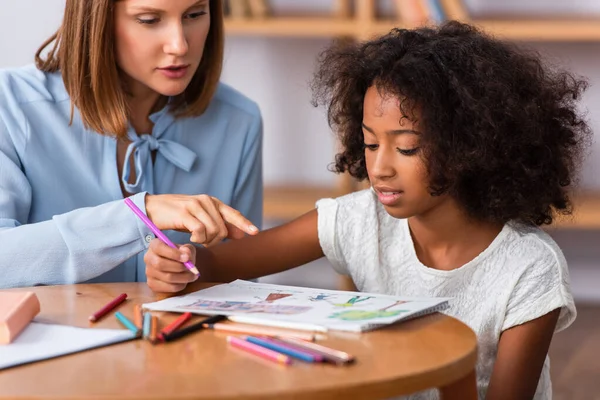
pixel 259 350
pixel 284 348
pixel 173 326
pixel 108 308
pixel 146 325
pixel 193 328
pixel 153 329
pixel 331 355
pixel 137 316
pixel 261 331
pixel 300 326
pixel 127 323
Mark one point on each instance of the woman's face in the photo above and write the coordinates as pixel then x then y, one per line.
pixel 159 43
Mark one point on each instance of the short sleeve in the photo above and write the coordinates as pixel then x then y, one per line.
pixel 327 210
pixel 541 288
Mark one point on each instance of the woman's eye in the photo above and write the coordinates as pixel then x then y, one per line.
pixel 147 21
pixel 371 147
pixel 195 15
pixel 408 152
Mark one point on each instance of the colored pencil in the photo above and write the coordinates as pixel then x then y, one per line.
pixel 319 356
pixel 147 320
pixel 258 350
pixel 193 328
pixel 261 331
pixel 107 308
pixel 173 326
pixel 137 316
pixel 127 323
pixel 159 234
pixel 284 349
pixel 300 326
pixel 153 328
pixel 329 353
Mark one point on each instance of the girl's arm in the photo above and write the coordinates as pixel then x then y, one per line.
pixel 271 251
pixel 521 354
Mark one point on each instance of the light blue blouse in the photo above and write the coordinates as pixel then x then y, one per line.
pixel 62 215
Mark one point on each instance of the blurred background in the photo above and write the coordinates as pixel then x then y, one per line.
pixel 270 56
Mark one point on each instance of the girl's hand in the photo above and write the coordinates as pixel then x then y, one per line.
pixel 207 218
pixel 165 271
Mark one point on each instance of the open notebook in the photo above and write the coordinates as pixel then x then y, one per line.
pixel 332 309
pixel 43 341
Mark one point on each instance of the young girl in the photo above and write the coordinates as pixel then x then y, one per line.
pixel 126 102
pixel 468 144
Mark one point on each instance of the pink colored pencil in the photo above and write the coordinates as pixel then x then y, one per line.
pixel 107 308
pixel 159 234
pixel 259 350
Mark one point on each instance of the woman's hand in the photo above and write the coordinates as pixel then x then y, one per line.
pixel 207 218
pixel 165 272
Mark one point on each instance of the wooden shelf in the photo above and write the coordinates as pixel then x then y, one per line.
pixel 523 30
pixel 291 27
pixel 582 30
pixel 586 213
pixel 286 203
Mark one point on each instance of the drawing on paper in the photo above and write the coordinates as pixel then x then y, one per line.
pixel 353 301
pixel 245 307
pixel 320 297
pixel 272 297
pixel 363 315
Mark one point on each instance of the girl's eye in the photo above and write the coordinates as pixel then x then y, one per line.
pixel 408 152
pixel 371 147
pixel 195 15
pixel 147 21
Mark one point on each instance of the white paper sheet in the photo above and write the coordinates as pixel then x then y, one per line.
pixel 42 341
pixel 332 309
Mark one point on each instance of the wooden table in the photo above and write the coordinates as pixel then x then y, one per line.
pixel 433 351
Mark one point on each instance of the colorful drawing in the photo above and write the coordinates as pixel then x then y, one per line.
pixel 319 297
pixel 363 315
pixel 275 296
pixel 245 307
pixel 353 301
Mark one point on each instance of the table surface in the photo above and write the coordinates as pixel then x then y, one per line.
pixel 431 351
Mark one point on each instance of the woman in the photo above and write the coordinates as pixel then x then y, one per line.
pixel 126 103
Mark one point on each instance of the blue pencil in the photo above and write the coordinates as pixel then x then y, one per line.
pixel 127 323
pixel 295 353
pixel 146 324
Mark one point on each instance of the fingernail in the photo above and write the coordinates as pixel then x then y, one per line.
pixel 184 257
pixel 252 228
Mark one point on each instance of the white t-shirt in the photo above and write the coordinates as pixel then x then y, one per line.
pixel 521 276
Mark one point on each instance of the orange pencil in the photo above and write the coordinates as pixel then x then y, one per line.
pixel 261 331
pixel 137 316
pixel 173 326
pixel 153 328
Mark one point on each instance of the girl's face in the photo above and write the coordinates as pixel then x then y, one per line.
pixel 159 43
pixel 394 162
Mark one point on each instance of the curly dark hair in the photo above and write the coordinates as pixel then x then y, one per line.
pixel 500 131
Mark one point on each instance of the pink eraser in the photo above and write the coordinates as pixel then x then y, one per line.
pixel 17 309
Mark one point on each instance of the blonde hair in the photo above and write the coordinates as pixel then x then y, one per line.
pixel 83 53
